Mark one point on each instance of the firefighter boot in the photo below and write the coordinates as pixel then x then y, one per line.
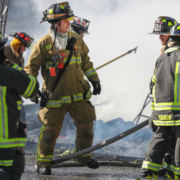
pixel 93 164
pixel 44 171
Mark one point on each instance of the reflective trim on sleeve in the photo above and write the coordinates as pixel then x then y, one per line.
pixel 165 106
pixel 66 99
pixel 90 72
pixel 15 66
pixel 166 123
pixel 177 83
pixel 151 166
pixel 171 49
pixel 153 79
pixel 176 170
pixel 6 162
pixel 19 105
pixel 4 134
pixel 30 87
pixel 11 143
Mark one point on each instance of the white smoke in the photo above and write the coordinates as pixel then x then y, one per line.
pixel 115 28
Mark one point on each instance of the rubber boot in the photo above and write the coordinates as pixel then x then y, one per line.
pixel 44 171
pixel 93 164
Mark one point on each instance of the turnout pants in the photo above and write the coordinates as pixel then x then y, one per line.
pixel 83 115
pixel 158 147
pixel 12 164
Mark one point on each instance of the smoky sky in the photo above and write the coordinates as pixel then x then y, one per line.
pixel 116 26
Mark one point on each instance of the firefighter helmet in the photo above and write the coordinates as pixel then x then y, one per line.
pixel 175 30
pixel 163 25
pixel 57 12
pixel 24 38
pixel 80 24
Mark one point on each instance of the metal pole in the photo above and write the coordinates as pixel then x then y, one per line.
pixel 102 144
pixel 7 5
pixel 117 58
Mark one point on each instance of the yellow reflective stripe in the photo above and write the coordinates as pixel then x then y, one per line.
pixel 19 105
pixel 153 79
pixel 86 155
pixel 6 162
pixel 15 66
pixel 165 106
pixel 30 87
pixel 171 49
pixel 168 166
pixel 177 83
pixel 54 103
pixel 165 117
pixel 164 20
pixel 78 97
pixel 48 47
pixel 45 158
pixel 3 114
pixel 150 165
pixel 38 145
pixel 176 170
pixel 178 27
pixel 90 72
pixel 88 94
pixel 170 24
pixel 14 142
pixel 66 99
pixel 166 123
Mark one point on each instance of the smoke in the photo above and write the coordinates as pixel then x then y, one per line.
pixel 116 27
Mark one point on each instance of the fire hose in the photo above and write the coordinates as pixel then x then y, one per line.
pixel 102 144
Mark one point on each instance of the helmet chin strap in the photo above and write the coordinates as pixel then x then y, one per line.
pixel 19 51
pixel 54 37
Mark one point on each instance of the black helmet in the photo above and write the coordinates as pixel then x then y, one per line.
pixel 163 25
pixel 57 12
pixel 175 30
pixel 80 24
pixel 24 38
pixel 174 34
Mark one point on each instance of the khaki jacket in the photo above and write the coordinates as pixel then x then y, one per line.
pixel 13 56
pixel 72 85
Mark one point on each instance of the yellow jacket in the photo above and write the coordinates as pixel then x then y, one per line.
pixel 72 85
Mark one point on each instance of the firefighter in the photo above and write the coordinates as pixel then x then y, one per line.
pixel 166 107
pixel 162 27
pixel 63 58
pixel 80 26
pixel 13 83
pixel 14 54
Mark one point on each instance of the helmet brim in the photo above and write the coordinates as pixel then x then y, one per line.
pixel 159 33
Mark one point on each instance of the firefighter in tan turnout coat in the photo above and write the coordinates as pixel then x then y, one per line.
pixel 62 50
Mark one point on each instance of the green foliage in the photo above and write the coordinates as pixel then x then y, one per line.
pixel 138 179
pixel 168 177
pixel 149 177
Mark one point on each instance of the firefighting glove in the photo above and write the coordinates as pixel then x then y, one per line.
pixel 97 87
pixel 34 99
pixel 151 85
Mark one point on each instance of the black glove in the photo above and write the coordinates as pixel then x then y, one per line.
pixel 97 87
pixel 34 99
pixel 151 85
